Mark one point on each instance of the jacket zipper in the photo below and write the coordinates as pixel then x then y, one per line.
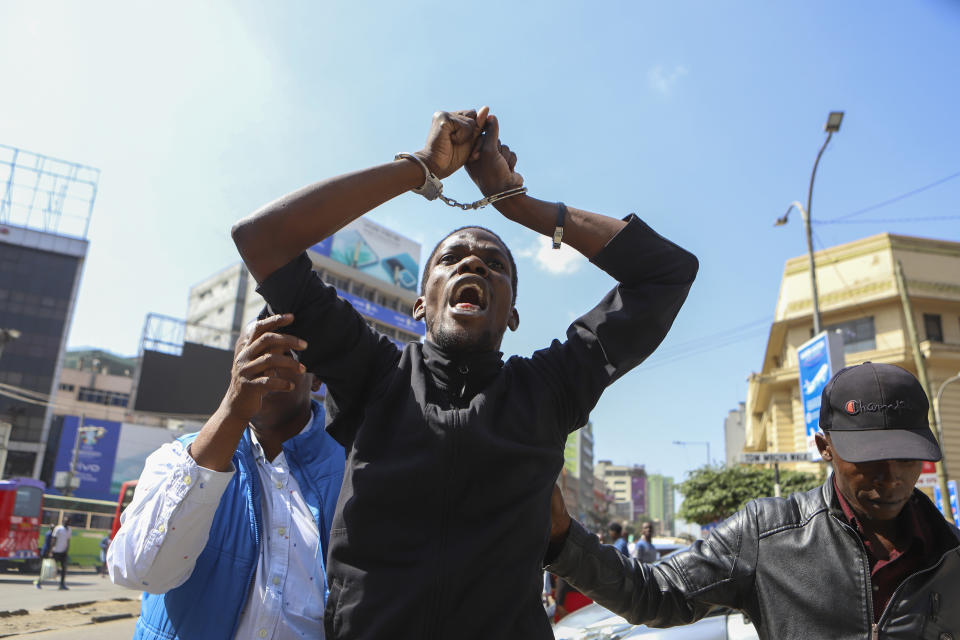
pixel 875 627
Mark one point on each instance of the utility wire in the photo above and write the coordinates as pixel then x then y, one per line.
pixel 892 200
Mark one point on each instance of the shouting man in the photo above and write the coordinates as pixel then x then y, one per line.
pixel 450 448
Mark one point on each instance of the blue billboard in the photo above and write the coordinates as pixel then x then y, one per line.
pixel 938 499
pixel 376 251
pixel 818 359
pixel 382 314
pixel 96 455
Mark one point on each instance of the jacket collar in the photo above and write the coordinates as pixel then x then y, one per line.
pixel 463 374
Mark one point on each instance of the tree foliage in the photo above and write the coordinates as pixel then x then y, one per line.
pixel 712 493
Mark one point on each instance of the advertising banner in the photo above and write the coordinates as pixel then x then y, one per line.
pixel 928 475
pixel 136 443
pixel 819 358
pixel 938 499
pixel 384 315
pixel 96 454
pixel 638 493
pixel 375 250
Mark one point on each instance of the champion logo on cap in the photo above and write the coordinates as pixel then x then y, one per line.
pixel 853 407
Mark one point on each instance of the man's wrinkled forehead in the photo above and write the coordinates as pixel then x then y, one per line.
pixel 472 239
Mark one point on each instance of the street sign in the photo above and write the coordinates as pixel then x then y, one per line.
pixel 766 457
pixel 817 360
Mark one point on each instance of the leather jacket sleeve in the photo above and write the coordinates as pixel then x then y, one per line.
pixel 717 571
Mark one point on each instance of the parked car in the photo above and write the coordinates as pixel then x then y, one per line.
pixel 593 622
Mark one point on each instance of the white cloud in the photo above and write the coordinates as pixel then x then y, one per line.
pixel 663 80
pixel 557 261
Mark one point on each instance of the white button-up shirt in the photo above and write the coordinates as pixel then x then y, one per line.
pixel 168 523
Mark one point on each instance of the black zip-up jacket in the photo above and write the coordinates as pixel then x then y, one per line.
pixel 443 519
pixel 793 565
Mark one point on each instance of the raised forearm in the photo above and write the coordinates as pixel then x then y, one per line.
pixel 281 230
pixel 585 231
pixel 218 439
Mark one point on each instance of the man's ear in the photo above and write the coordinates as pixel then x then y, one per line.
pixel 514 320
pixel 419 310
pixel 824 446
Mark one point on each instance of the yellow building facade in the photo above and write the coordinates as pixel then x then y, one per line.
pixel 860 298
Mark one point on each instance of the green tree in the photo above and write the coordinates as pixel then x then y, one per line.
pixel 712 493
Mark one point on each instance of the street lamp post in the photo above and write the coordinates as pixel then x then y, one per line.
pixel 684 443
pixel 832 126
pixel 938 417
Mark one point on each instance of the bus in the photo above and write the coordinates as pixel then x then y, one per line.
pixel 21 514
pixel 126 497
pixel 90 520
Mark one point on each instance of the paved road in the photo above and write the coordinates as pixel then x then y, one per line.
pixel 17 591
pixel 116 630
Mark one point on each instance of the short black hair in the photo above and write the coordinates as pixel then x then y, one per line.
pixel 615 527
pixel 433 254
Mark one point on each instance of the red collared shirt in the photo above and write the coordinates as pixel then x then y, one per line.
pixel 888 571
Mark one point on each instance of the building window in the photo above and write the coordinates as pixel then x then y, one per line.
pixel 66 387
pixel 108 398
pixel 858 335
pixel 932 327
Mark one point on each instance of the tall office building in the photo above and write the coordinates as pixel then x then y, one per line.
pixel 660 502
pixel 576 481
pixel 45 209
pixel 627 485
pixel 734 435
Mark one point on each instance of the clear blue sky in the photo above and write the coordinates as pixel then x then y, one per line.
pixel 702 117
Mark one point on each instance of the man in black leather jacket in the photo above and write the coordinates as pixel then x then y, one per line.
pixel 865 555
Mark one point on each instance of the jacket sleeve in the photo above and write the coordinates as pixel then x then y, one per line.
pixel 654 276
pixel 343 351
pixel 683 588
pixel 167 524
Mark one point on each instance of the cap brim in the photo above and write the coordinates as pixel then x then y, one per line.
pixel 870 445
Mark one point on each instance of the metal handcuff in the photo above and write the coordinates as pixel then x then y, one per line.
pixel 432 188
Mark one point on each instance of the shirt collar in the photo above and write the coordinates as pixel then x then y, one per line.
pixel 909 515
pixel 466 372
pixel 258 450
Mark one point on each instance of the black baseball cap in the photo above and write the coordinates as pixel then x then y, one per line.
pixel 877 411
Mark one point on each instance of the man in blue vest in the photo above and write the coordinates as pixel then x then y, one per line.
pixel 228 530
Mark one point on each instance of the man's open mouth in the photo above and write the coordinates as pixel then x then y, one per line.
pixel 468 296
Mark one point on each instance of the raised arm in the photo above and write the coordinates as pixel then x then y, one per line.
pixel 281 230
pixel 717 571
pixel 493 172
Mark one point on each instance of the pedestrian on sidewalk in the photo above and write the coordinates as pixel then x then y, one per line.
pixel 60 547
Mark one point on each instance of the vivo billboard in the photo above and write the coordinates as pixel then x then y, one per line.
pixel 376 251
pixel 819 358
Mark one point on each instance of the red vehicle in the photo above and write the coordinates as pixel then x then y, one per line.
pixel 126 497
pixel 21 513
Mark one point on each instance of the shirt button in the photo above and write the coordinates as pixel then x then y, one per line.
pixel 187 480
pixel 282 531
pixel 276 580
pixel 262 633
pixel 278 484
pixel 161 528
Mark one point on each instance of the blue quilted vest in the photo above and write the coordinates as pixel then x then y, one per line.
pixel 208 605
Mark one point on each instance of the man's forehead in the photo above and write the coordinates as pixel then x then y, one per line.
pixel 473 238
